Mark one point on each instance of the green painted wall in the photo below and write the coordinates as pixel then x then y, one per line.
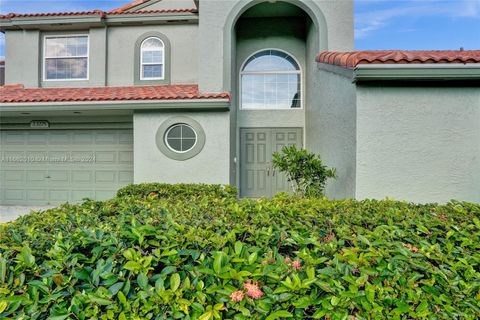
pixel 211 165
pixel 22 58
pixel 218 19
pixel 419 143
pixel 183 41
pixel 331 129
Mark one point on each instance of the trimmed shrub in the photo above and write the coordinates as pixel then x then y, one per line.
pixel 211 257
pixel 165 190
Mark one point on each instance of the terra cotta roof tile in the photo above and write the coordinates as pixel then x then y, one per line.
pixel 354 58
pixel 19 94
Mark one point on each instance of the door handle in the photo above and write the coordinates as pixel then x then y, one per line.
pixel 268 171
pixel 273 173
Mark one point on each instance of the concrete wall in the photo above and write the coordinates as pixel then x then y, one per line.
pixel 184 45
pixel 419 144
pixel 211 165
pixel 333 18
pixel 331 129
pixel 22 58
pixel 111 55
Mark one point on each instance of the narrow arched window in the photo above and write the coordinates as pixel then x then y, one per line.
pixel 152 59
pixel 271 79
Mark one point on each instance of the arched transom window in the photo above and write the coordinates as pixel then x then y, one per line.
pixel 152 59
pixel 270 79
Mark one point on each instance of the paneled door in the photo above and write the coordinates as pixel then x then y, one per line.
pixel 258 178
pixel 48 167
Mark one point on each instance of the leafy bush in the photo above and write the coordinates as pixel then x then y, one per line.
pixel 165 190
pixel 211 256
pixel 305 170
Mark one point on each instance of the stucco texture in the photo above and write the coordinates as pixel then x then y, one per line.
pixel 334 18
pixel 211 165
pixel 419 144
pixel 183 40
pixel 331 129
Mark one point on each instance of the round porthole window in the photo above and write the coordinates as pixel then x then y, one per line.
pixel 180 138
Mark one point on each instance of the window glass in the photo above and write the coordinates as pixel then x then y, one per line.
pixel 152 59
pixel 271 79
pixel 66 58
pixel 181 138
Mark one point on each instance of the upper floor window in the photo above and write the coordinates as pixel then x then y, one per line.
pixel 270 79
pixel 152 59
pixel 66 57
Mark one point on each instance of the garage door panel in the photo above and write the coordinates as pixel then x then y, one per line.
pixel 38 139
pixel 106 138
pixel 59 175
pixel 13 176
pixel 125 157
pixel 59 195
pixel 79 195
pixel 37 195
pixel 125 177
pixel 14 194
pixel 59 138
pixel 82 176
pixel 125 138
pixel 51 167
pixel 106 176
pixel 104 194
pixel 36 176
pixel 109 157
pixel 83 138
pixel 13 138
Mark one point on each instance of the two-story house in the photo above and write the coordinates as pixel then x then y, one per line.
pixel 205 91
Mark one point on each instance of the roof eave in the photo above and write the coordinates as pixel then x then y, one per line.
pixel 219 104
pixel 438 72
pixel 94 20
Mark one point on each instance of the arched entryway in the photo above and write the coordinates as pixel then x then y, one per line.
pixel 270 99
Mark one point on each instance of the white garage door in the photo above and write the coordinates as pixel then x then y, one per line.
pixel 46 167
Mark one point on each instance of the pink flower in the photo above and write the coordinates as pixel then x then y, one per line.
pixel 253 290
pixel 287 260
pixel 296 264
pixel 237 296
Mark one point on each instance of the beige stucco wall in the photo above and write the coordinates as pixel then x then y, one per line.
pixel 211 165
pixel 418 144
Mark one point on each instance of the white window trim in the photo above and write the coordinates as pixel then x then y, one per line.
pixel 45 56
pixel 150 63
pixel 168 131
pixel 300 72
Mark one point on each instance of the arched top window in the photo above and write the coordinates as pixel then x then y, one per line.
pixel 271 79
pixel 152 59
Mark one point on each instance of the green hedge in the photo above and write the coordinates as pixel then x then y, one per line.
pixel 147 256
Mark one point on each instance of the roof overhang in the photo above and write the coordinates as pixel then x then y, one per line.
pixel 135 105
pixel 94 20
pixel 436 72
pixel 407 72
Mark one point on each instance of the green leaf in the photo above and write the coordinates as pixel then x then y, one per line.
pixel 27 256
pixel 217 262
pixel 3 305
pixel 142 280
pixel 132 266
pixel 174 282
pixel 238 248
pixel 279 314
pixel 334 301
